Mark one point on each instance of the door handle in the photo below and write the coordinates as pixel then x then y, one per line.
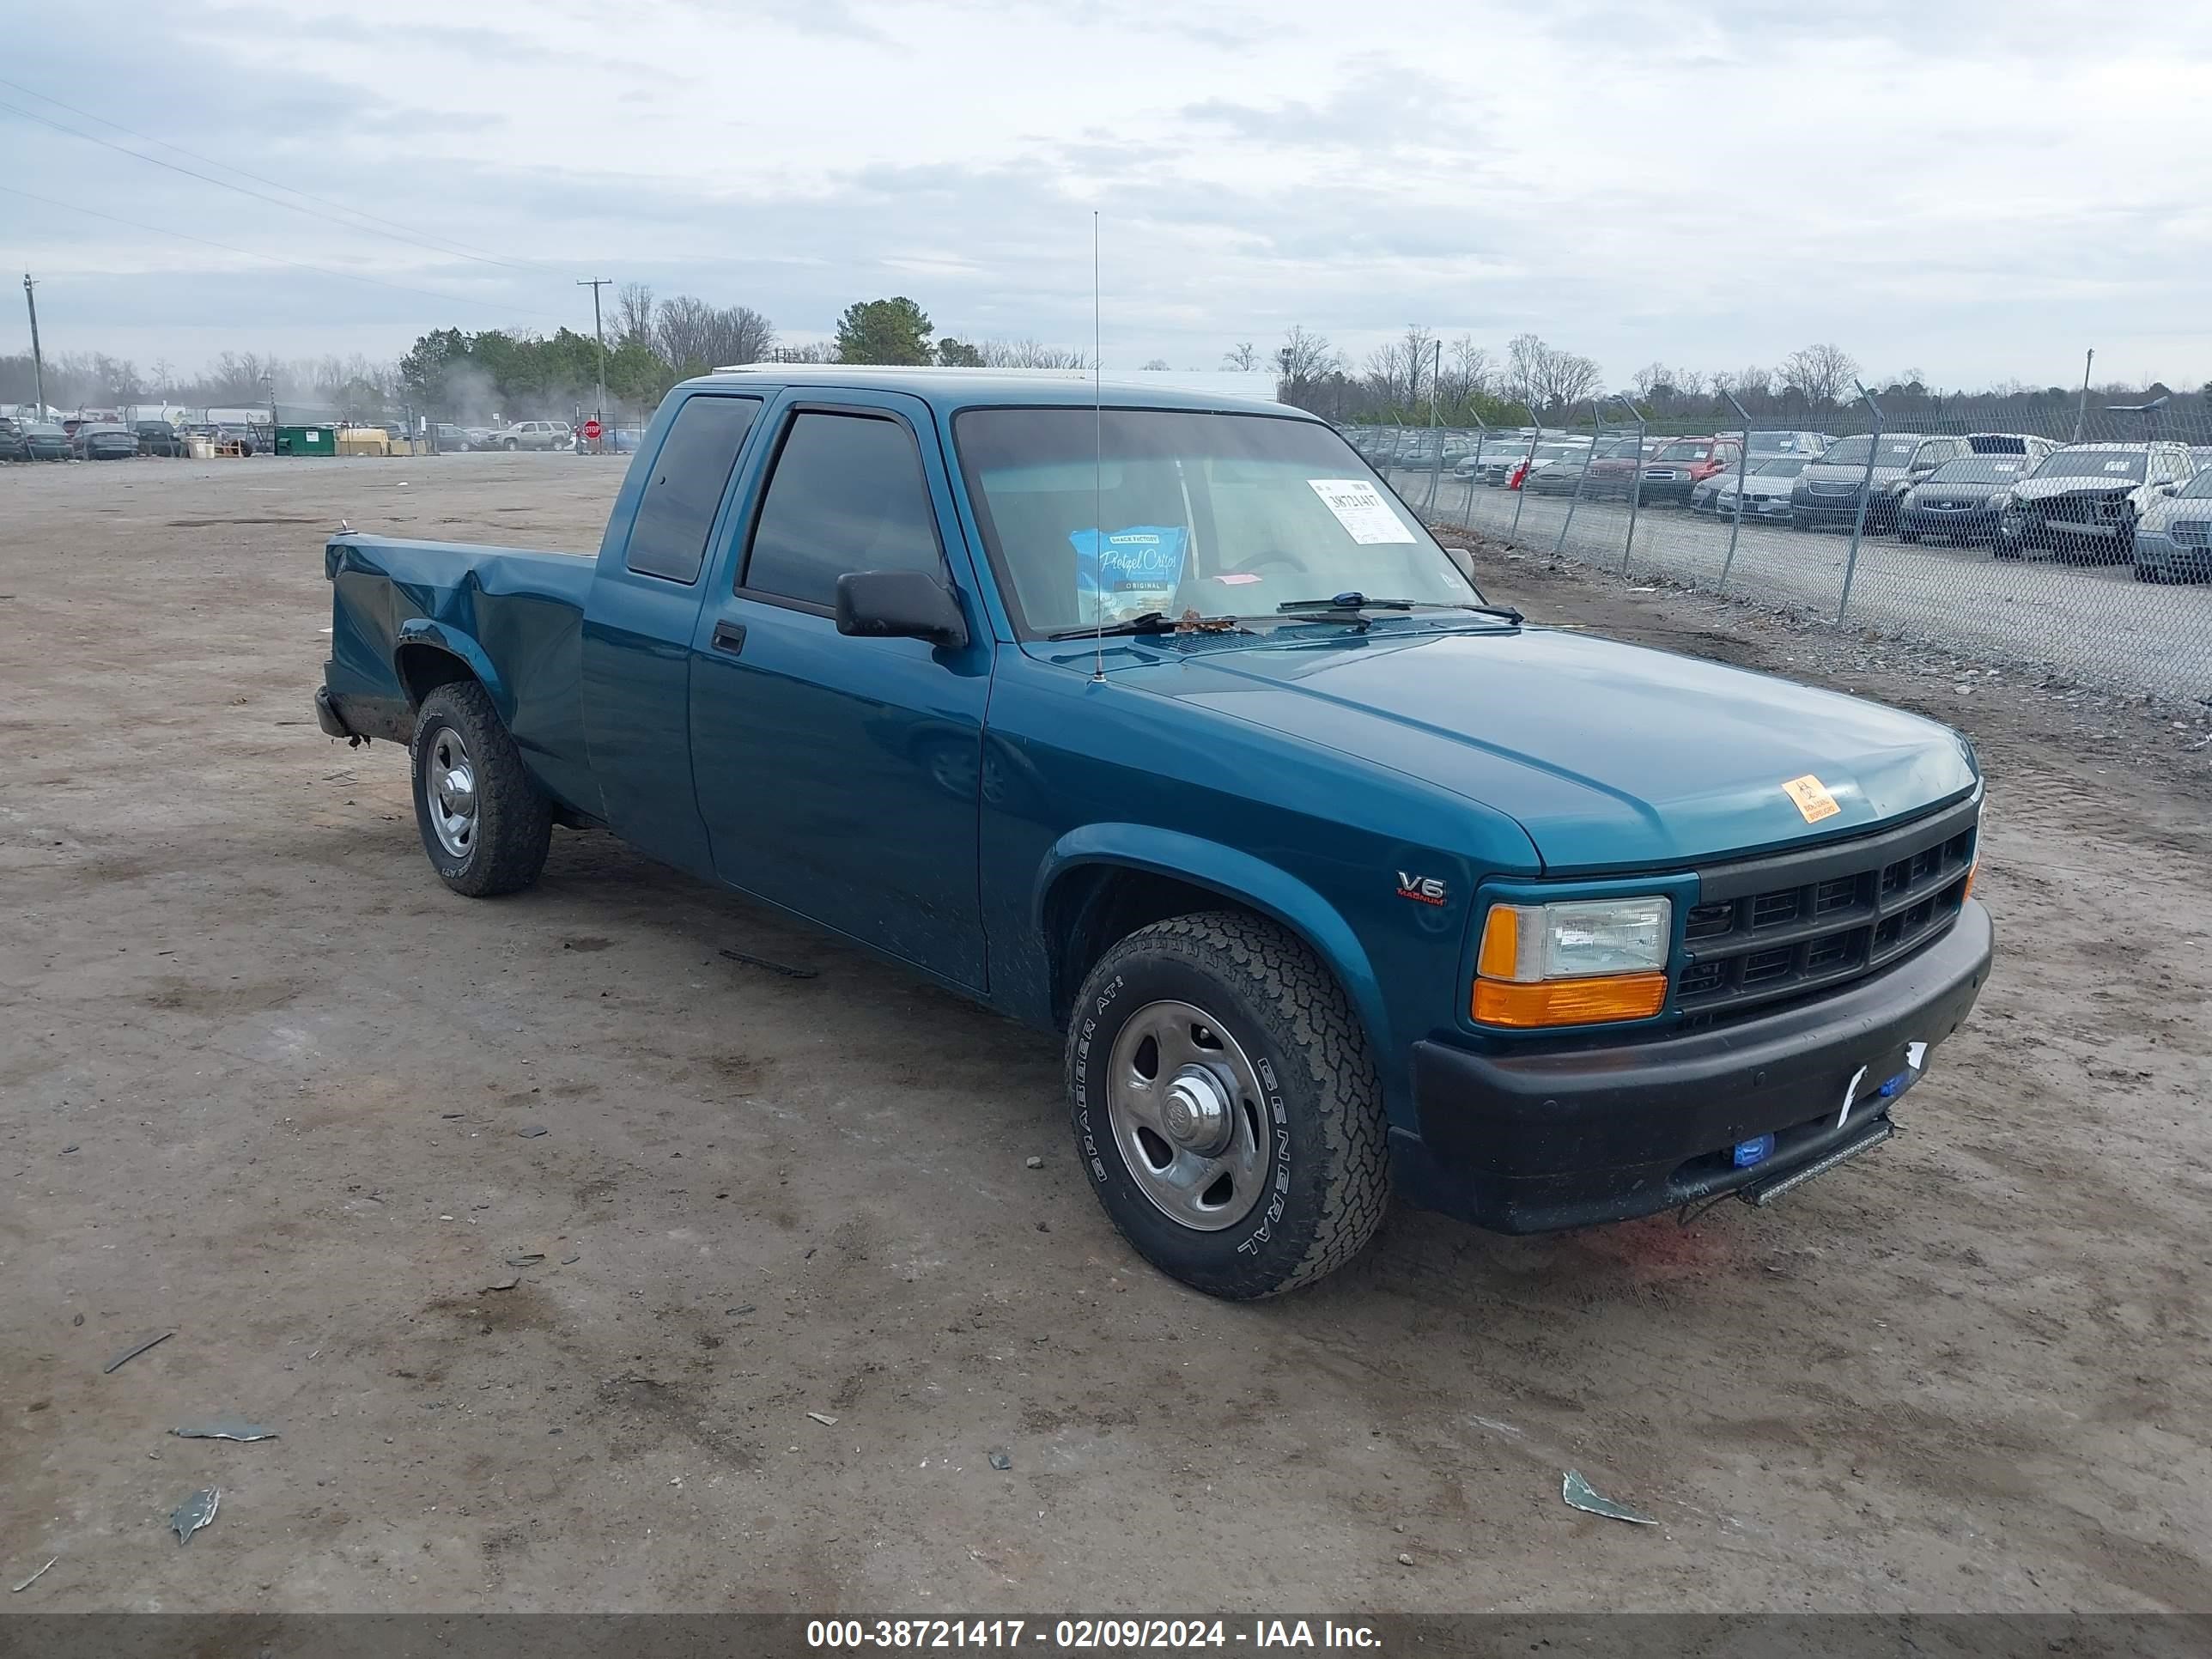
pixel 730 636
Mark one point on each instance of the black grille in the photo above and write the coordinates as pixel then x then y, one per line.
pixel 1778 927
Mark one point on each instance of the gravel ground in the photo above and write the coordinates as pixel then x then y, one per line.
pixel 784 1282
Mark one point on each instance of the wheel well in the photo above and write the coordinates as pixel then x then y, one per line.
pixel 1089 909
pixel 424 668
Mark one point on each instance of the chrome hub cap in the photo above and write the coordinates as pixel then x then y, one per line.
pixel 1186 1108
pixel 450 780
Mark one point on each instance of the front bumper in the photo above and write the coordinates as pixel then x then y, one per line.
pixel 1967 524
pixel 2156 550
pixel 1529 1140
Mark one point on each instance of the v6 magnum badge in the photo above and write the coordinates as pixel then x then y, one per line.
pixel 1422 890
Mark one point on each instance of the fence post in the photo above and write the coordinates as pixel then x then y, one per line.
pixel 1742 466
pixel 1635 479
pixel 1520 495
pixel 1436 434
pixel 1581 478
pixel 1866 497
pixel 1475 474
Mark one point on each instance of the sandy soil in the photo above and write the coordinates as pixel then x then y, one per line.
pixel 265 1083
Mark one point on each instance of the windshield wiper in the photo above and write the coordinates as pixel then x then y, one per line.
pixel 1151 622
pixel 1354 604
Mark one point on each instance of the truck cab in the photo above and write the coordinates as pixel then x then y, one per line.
pixel 1156 720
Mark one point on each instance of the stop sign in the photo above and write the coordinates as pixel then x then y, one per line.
pixel 592 431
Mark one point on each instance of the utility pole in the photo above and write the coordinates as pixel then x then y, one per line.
pixel 599 414
pixel 38 362
pixel 2081 409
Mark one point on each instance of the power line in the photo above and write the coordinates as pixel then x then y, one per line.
pixel 277 258
pixel 462 248
pixel 225 184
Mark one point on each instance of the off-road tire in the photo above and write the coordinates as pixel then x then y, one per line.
pixel 514 818
pixel 1324 1113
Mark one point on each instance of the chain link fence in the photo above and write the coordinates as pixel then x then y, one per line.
pixel 2011 545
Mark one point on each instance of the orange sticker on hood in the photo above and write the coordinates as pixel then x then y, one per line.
pixel 1812 798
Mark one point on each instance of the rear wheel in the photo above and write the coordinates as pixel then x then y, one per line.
pixel 485 822
pixel 1226 1106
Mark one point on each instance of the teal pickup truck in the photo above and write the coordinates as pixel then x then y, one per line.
pixel 1158 721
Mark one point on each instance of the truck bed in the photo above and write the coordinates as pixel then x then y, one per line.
pixel 514 614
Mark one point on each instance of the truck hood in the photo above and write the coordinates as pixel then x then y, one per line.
pixel 1609 756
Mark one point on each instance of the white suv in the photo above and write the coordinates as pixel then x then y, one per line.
pixel 534 435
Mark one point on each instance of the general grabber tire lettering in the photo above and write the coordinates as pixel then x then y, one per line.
pixel 485 822
pixel 1239 1023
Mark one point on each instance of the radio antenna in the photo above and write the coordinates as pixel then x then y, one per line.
pixel 1097 469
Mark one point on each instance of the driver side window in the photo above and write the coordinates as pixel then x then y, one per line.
pixel 847 494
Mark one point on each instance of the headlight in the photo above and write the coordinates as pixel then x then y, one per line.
pixel 2002 501
pixel 1574 962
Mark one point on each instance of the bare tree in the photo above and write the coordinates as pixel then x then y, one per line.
pixel 1821 372
pixel 1569 378
pixel 1468 371
pixel 1028 354
pixel 1156 365
pixel 1244 356
pixel 634 312
pixel 691 333
pixel 1303 361
pixel 1524 369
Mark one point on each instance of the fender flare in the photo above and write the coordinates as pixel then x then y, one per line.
pixel 1253 882
pixel 427 631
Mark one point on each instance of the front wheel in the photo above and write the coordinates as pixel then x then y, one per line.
pixel 511 446
pixel 485 822
pixel 1226 1106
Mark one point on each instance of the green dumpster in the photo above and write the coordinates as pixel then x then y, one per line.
pixel 306 440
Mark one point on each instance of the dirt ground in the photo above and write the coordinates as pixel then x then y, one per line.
pixel 264 1082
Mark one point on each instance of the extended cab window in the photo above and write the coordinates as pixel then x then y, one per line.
pixel 668 537
pixel 847 495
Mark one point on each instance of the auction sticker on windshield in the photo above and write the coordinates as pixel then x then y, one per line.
pixel 1360 508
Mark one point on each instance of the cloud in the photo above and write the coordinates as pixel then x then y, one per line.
pixel 1632 182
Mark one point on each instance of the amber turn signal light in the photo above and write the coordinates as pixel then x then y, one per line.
pixel 1569 1001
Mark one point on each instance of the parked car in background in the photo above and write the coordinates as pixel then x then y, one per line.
pixel 534 435
pixel 45 440
pixel 1764 444
pixel 2083 503
pixel 2173 537
pixel 1515 466
pixel 446 438
pixel 2024 444
pixel 103 441
pixel 1581 470
pixel 12 447
pixel 1961 500
pixel 1767 486
pixel 160 438
pixel 1682 463
pixel 1613 477
pixel 1827 493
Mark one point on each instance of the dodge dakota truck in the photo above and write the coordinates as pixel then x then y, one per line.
pixel 1157 721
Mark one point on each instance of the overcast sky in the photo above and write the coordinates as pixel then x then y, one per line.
pixel 1977 191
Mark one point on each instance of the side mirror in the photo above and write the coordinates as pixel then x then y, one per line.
pixel 899 605
pixel 1464 559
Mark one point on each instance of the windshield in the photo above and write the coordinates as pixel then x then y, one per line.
pixel 44 429
pixel 1980 469
pixel 2198 488
pixel 1694 449
pixel 1227 514
pixel 1786 466
pixel 2115 464
pixel 1560 452
pixel 1852 452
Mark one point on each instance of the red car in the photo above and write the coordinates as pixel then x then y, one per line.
pixel 1613 473
pixel 1683 464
